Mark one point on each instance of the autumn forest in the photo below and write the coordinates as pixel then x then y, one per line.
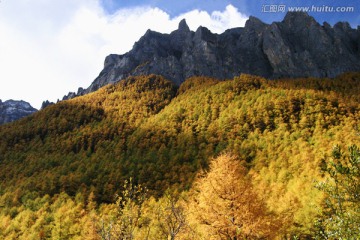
pixel 244 158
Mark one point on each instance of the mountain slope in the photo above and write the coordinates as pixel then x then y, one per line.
pixel 57 140
pixel 143 128
pixel 11 110
pixel 296 47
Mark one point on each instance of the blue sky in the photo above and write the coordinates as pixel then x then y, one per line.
pixel 49 48
pixel 248 7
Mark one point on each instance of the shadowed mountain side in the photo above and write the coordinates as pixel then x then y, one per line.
pixel 345 85
pixel 42 150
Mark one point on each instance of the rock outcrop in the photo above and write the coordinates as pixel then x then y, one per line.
pixel 12 110
pixel 296 47
pixel 45 104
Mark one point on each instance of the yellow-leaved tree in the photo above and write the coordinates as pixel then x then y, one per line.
pixel 226 206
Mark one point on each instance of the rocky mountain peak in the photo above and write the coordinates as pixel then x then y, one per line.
pixel 46 103
pixel 183 27
pixel 298 18
pixel 12 110
pixel 298 46
pixel 344 26
pixel 202 33
pixel 254 22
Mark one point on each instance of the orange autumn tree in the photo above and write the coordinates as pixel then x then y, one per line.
pixel 226 206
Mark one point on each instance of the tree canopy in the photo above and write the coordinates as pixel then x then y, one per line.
pixel 162 136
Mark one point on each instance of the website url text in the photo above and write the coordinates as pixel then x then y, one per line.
pixel 279 8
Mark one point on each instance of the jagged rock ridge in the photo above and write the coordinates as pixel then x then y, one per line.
pixel 12 110
pixel 296 47
pixel 45 104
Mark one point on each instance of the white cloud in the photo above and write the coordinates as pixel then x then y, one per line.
pixel 217 21
pixel 49 48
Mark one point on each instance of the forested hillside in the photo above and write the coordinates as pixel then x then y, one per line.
pixel 209 160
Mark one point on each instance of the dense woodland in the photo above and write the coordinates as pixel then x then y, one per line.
pixel 246 158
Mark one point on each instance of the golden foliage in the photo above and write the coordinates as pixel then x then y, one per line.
pixel 142 127
pixel 227 206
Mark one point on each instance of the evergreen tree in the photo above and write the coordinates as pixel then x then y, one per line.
pixel 341 219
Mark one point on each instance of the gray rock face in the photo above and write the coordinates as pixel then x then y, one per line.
pixel 296 47
pixel 45 104
pixel 13 110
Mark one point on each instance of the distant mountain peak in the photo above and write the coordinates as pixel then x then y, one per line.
pixel 183 27
pixel 297 20
pixel 298 46
pixel 254 22
pixel 12 110
pixel 297 15
pixel 345 26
